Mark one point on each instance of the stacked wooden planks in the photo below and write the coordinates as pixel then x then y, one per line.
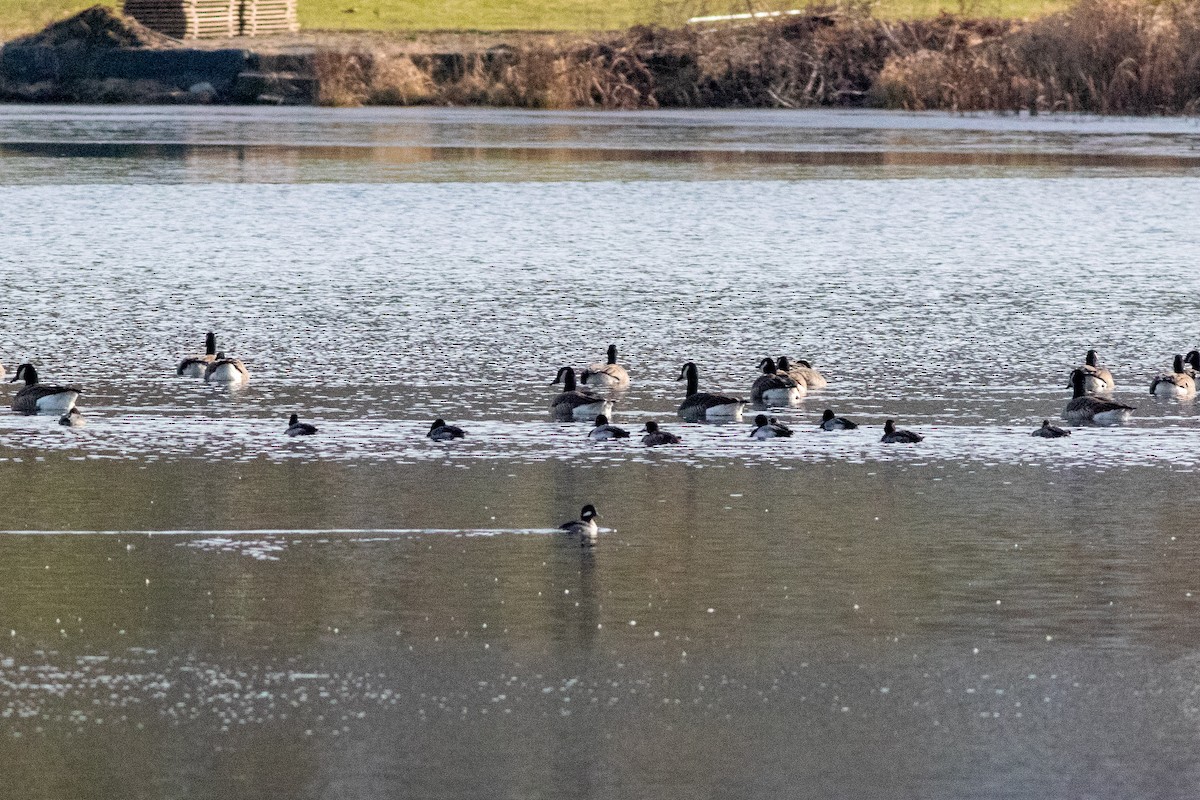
pixel 211 19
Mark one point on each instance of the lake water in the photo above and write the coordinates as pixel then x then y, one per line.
pixel 193 604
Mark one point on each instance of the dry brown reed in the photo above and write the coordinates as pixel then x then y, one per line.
pixel 1104 56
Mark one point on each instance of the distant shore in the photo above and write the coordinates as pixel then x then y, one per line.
pixel 1101 56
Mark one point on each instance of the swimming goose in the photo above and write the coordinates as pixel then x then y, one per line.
pixel 195 366
pixel 802 371
pixel 1192 359
pixel 611 375
pixel 699 405
pixel 1048 431
pixel 226 370
pixel 72 419
pixel 1176 383
pixel 891 435
pixel 297 428
pixel 585 527
pixel 655 437
pixel 769 428
pixel 603 431
pixel 831 423
pixel 573 404
pixel 774 388
pixel 1098 379
pixel 1086 410
pixel 38 398
pixel 439 431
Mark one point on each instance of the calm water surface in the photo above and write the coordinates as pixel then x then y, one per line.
pixel 194 605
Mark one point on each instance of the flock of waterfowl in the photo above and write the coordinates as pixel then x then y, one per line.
pixel 780 383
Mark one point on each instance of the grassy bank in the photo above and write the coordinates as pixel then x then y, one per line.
pixel 18 17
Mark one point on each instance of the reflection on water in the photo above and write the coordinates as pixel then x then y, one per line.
pixel 195 603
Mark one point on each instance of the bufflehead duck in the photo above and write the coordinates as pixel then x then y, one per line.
pixel 585 527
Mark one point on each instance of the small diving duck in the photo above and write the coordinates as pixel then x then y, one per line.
pixel 572 404
pixel 72 419
pixel 585 527
pixel 1048 431
pixel 195 366
pixel 765 428
pixel 225 370
pixel 297 428
pixel 1176 383
pixel 38 398
pixel 610 375
pixel 775 388
pixel 1098 379
pixel 1086 410
pixel 655 437
pixel 893 435
pixel 439 431
pixel 831 423
pixel 697 405
pixel 802 371
pixel 603 431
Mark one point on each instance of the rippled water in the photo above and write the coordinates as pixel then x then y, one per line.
pixel 198 605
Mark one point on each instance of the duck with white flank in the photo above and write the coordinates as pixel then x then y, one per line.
pixel 1098 379
pixel 38 398
pixel 654 437
pixel 572 404
pixel 585 527
pixel 72 419
pixel 769 428
pixel 610 375
pixel 297 428
pixel 831 423
pixel 1048 431
pixel 1086 410
pixel 1176 383
pixel 802 371
pixel 229 371
pixel 439 431
pixel 195 366
pixel 774 388
pixel 698 405
pixel 893 435
pixel 603 431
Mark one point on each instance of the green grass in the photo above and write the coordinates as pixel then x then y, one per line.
pixel 24 16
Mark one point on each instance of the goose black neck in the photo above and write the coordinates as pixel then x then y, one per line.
pixel 568 379
pixel 1178 364
pixel 210 344
pixel 1077 383
pixel 693 379
pixel 612 354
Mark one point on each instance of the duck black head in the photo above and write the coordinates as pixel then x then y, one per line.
pixel 612 354
pixel 651 427
pixel 1193 359
pixel 889 426
pixel 27 373
pixel 293 419
pixel 210 343
pixel 601 420
pixel 767 365
pixel 565 376
pixel 1045 423
pixel 828 415
pixel 761 420
pixel 588 513
pixel 437 423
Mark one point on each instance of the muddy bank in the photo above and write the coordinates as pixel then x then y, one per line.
pixel 1102 56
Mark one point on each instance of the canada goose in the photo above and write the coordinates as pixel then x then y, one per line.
pixel 802 371
pixel 1086 410
pixel 611 374
pixel 655 437
pixel 195 366
pixel 769 428
pixel 573 404
pixel 1098 379
pixel 72 419
pixel 1192 359
pixel 831 423
pixel 297 428
pixel 1048 431
pixel 226 370
pixel 37 398
pixel 893 436
pixel 603 431
pixel 703 405
pixel 439 431
pixel 773 388
pixel 1176 383
pixel 585 526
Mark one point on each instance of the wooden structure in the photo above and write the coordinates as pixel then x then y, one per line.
pixel 214 19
